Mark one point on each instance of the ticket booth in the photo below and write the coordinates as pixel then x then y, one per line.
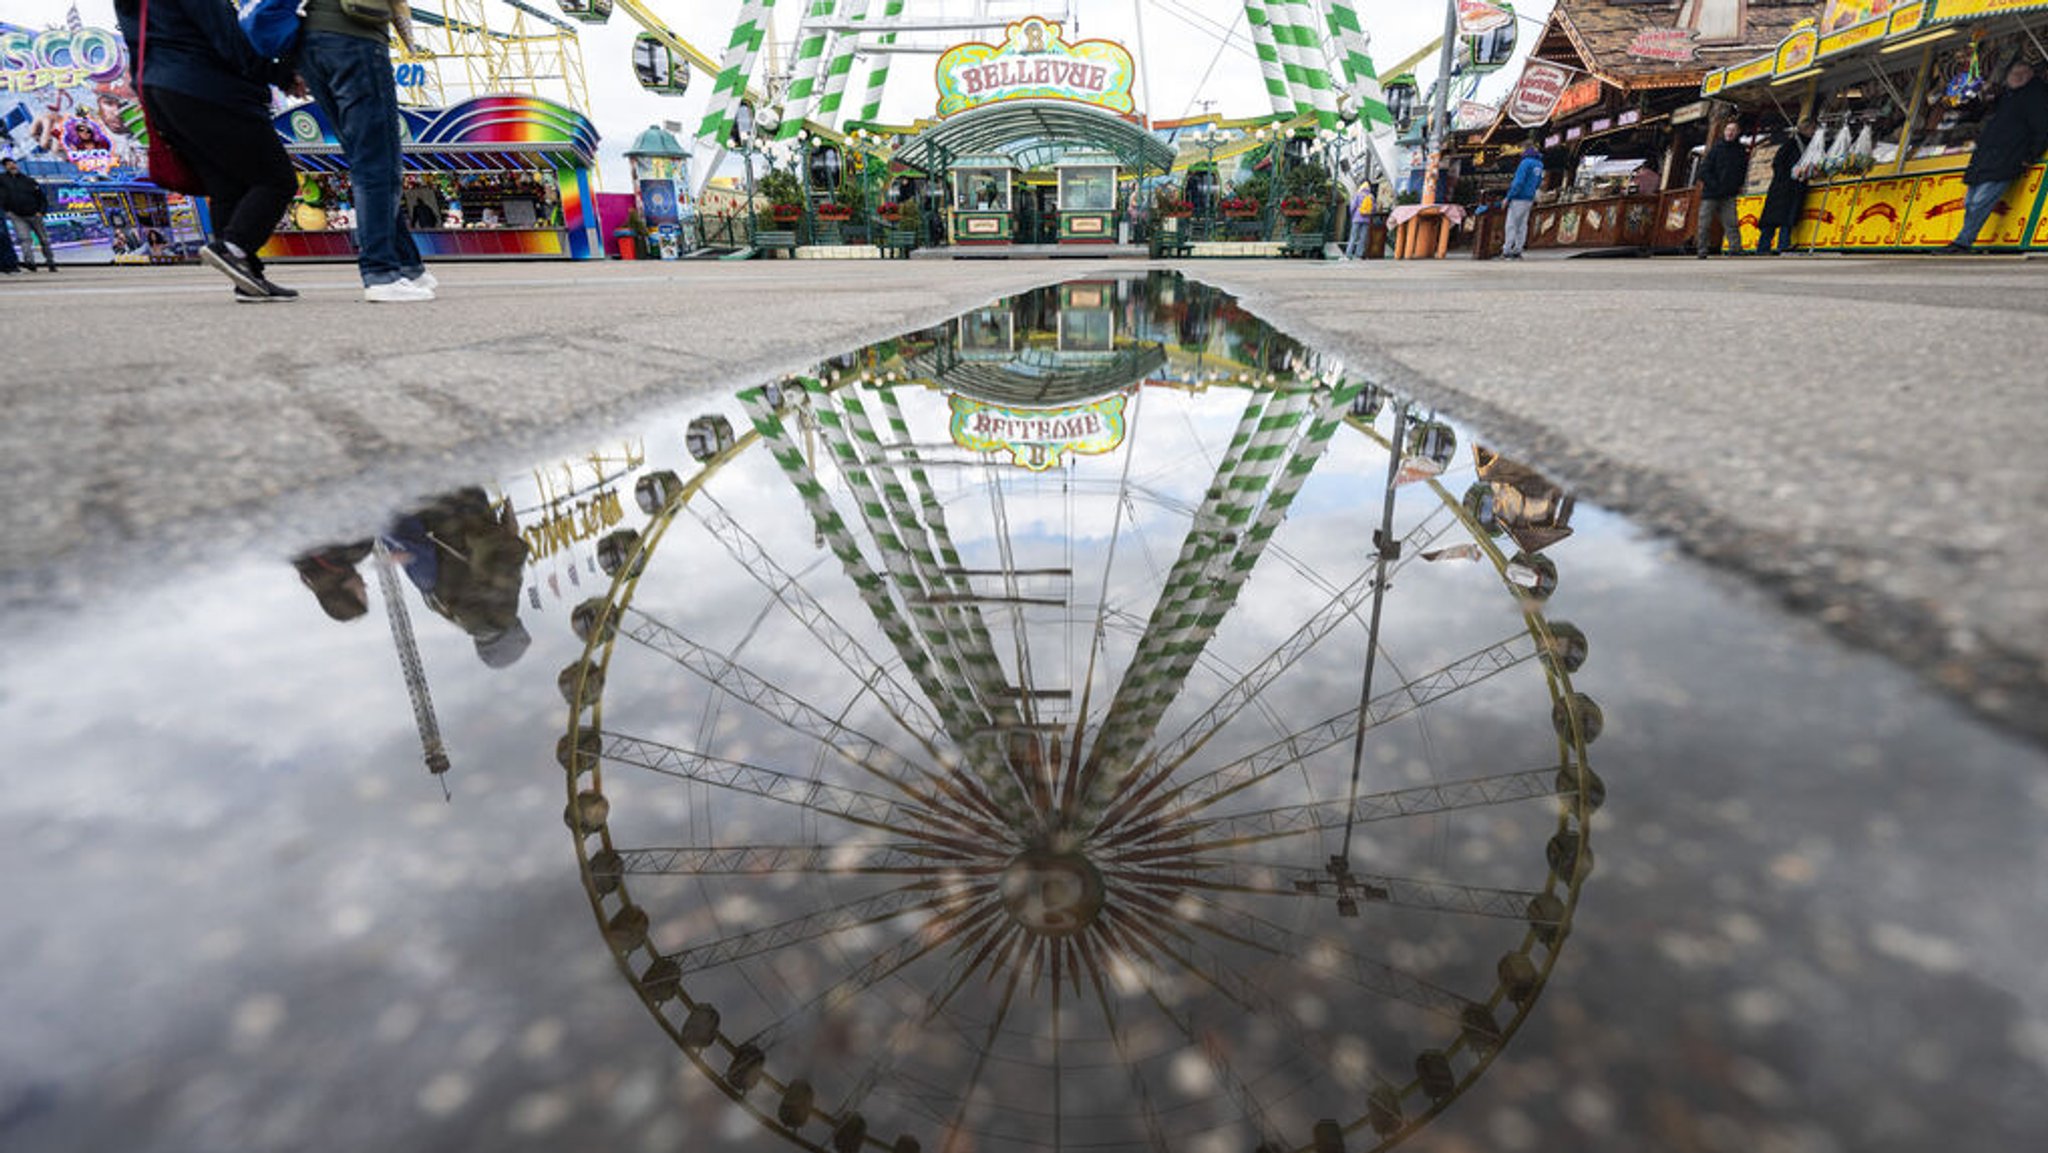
pixel 1087 198
pixel 984 193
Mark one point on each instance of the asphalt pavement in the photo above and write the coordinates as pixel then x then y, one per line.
pixel 1856 435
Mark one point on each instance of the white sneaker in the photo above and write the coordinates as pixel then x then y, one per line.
pixel 426 280
pixel 397 292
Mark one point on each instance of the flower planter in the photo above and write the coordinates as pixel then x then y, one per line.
pixel 786 213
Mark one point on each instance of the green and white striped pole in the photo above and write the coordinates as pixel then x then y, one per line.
pixel 841 67
pixel 1301 34
pixel 1277 92
pixel 1361 79
pixel 878 71
pixel 738 66
pixel 808 65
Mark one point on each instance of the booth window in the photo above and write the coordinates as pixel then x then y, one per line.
pixel 1087 189
pixel 985 191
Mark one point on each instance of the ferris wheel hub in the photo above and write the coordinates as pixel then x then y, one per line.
pixel 1052 893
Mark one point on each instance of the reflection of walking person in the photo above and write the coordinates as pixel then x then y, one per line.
pixel 1721 176
pixel 1521 199
pixel 208 92
pixel 25 201
pixel 346 60
pixel 2012 140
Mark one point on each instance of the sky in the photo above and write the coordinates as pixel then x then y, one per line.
pixel 1182 56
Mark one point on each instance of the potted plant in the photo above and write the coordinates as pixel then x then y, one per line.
pixel 1167 202
pixel 834 211
pixel 1308 194
pixel 785 196
pixel 1240 208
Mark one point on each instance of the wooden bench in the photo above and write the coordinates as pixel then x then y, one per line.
pixel 898 242
pixel 828 233
pixel 769 242
pixel 1308 245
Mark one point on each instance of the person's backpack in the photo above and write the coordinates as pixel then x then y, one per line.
pixel 271 26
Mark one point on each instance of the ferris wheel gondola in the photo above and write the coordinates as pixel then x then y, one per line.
pixel 658 67
pixel 586 11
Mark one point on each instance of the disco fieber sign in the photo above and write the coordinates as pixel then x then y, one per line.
pixel 1034 63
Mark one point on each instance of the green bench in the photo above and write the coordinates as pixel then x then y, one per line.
pixel 898 242
pixel 828 234
pixel 768 243
pixel 1308 245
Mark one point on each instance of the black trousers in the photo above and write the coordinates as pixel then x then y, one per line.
pixel 237 154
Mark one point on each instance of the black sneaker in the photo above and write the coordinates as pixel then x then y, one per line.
pixel 235 268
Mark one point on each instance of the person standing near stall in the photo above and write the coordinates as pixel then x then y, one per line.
pixel 1721 175
pixel 208 92
pixel 345 57
pixel 26 202
pixel 1362 207
pixel 2012 140
pixel 1787 194
pixel 1521 200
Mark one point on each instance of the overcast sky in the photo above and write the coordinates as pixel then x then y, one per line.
pixel 1192 51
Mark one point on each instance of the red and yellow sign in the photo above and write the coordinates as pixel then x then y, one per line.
pixel 1842 14
pixel 1964 9
pixel 1796 52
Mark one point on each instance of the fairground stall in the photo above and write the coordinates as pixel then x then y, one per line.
pixel 1900 91
pixel 1036 138
pixel 1610 95
pixel 491 177
pixel 70 120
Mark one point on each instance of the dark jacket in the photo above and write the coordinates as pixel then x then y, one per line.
pixel 1787 194
pixel 22 194
pixel 2013 136
pixel 1724 170
pixel 196 49
pixel 327 16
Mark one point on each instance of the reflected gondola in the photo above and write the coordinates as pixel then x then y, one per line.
pixel 586 11
pixel 658 67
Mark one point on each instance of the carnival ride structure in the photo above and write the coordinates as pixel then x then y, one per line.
pixel 1077 775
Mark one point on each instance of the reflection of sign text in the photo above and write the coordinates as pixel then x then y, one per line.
pixel 1037 439
pixel 567 524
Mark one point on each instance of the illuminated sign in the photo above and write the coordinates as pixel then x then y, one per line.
pixel 1034 63
pixel 60 58
pixel 1038 438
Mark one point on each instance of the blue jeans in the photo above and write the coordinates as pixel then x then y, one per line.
pixel 351 79
pixel 1782 233
pixel 1354 244
pixel 1977 205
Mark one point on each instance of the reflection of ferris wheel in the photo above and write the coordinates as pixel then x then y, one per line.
pixel 1032 825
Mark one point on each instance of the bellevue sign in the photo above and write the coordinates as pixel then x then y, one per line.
pixel 1034 63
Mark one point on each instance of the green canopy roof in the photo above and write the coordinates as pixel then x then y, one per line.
pixel 1035 134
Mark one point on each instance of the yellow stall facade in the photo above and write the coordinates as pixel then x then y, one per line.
pixel 1919 65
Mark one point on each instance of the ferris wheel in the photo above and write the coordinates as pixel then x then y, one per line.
pixel 1213 780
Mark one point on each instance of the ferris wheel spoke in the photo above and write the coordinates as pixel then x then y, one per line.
pixel 1155 1131
pixel 921 897
pixel 944 929
pixel 740 683
pixel 1198 793
pixel 954 1128
pixel 868 810
pixel 892 859
pixel 1220 876
pixel 1208 1040
pixel 902 705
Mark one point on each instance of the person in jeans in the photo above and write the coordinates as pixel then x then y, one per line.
pixel 346 62
pixel 10 264
pixel 1362 208
pixel 26 202
pixel 208 92
pixel 1722 175
pixel 2011 141
pixel 1521 198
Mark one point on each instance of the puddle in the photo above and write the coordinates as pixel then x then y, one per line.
pixel 1096 722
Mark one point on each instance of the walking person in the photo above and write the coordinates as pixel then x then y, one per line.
pixel 1787 194
pixel 2011 141
pixel 346 61
pixel 1520 200
pixel 208 92
pixel 25 201
pixel 1722 174
pixel 1362 207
